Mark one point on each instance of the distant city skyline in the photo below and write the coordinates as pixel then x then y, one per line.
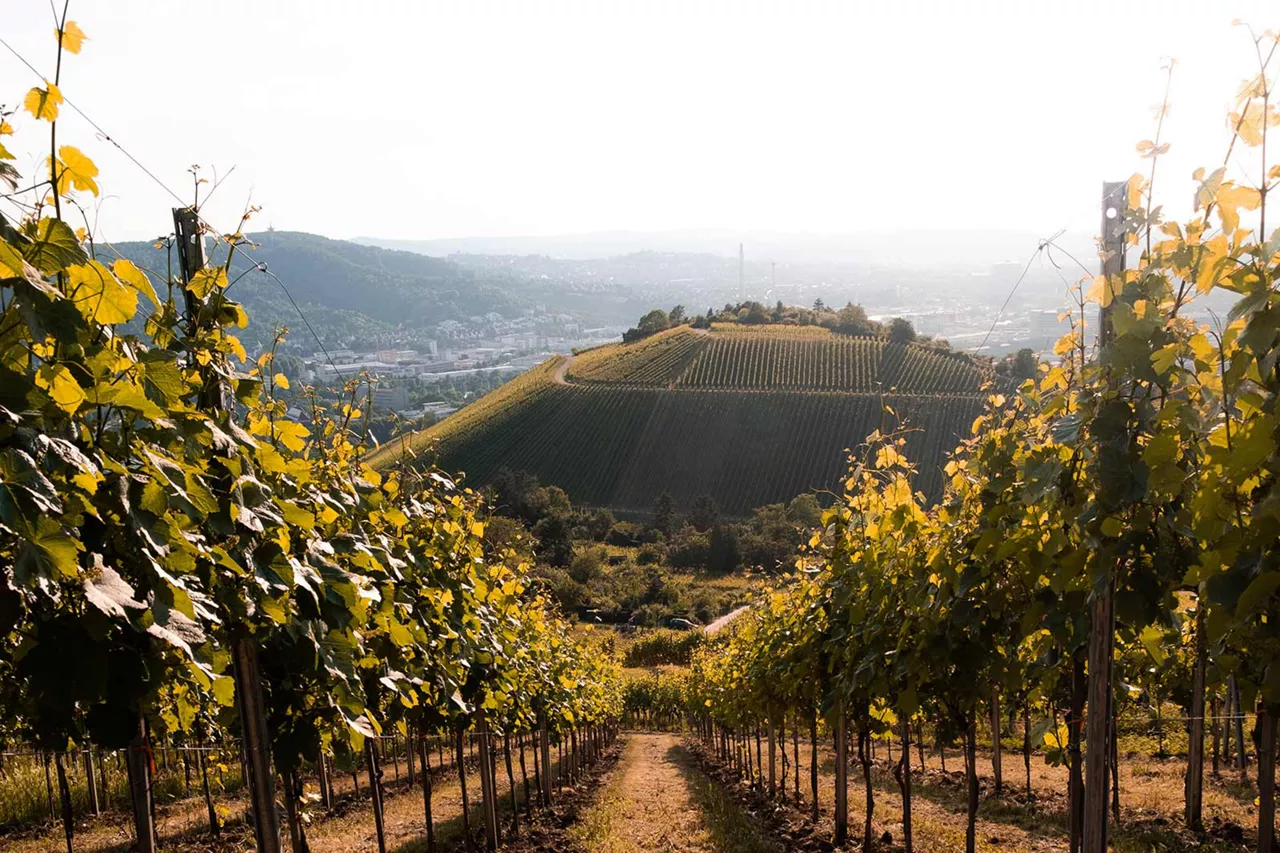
pixel 442 120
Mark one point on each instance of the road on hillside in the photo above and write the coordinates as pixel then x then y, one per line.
pixel 717 626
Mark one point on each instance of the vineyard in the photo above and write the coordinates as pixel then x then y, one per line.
pixel 749 418
pixel 212 613
pixel 188 575
pixel 1107 545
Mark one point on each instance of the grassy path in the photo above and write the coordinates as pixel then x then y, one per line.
pixel 658 800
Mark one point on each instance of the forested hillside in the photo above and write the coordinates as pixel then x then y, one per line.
pixel 345 289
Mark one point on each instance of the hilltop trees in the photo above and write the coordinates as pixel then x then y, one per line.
pixel 655 321
pixel 901 331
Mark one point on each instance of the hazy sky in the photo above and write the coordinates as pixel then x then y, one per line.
pixel 437 119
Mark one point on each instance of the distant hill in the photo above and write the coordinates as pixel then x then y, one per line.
pixel 906 247
pixel 347 290
pixel 748 414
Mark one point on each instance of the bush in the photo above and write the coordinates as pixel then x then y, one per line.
pixel 649 555
pixel 689 549
pixel 663 646
pixel 624 534
pixel 587 565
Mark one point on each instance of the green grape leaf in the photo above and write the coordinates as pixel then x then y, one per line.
pixel 55 247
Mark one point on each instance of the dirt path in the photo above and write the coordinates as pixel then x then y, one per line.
pixel 658 800
pixel 560 377
pixel 716 626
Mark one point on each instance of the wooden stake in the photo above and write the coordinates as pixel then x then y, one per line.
pixel 842 776
pixel 997 748
pixel 426 795
pixel 906 783
pixel 138 761
pixel 375 791
pixel 773 750
pixel 460 763
pixel 1267 719
pixel 91 782
pixel 203 761
pixel 64 792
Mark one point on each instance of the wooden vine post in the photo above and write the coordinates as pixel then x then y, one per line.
pixel 1195 748
pixel 544 747
pixel 842 774
pixel 1101 626
pixel 1267 777
pixel 375 791
pixel 773 750
pixel 488 788
pixel 253 718
pixel 138 762
pixel 91 781
pixel 997 748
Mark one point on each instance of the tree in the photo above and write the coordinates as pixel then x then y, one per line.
pixel 804 511
pixel 554 535
pixel 664 514
pixel 650 324
pixel 1025 365
pixel 704 514
pixel 676 317
pixel 901 331
pixel 551 500
pixel 853 320
pixel 819 305
pixel 724 550
pixel 515 494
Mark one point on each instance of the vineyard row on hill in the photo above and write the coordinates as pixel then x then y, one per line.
pixel 770 358
pixel 622 447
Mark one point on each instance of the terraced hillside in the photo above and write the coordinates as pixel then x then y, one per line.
pixel 749 415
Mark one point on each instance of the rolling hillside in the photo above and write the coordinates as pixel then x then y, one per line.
pixel 748 414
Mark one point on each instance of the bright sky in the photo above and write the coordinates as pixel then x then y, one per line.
pixel 477 117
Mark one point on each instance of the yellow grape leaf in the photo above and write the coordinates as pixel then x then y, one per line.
pixel 282 381
pixel 1066 344
pixel 1212 259
pixel 1205 351
pixel 1134 189
pixel 135 278
pixel 71 38
pixel 1112 526
pixel 6 129
pixel 236 348
pixel 292 435
pixel 61 386
pixel 99 295
pixel 1230 199
pixel 43 103
pixel 75 171
pixel 1249 125
pixel 1165 358
pixel 1102 292
pixel 208 280
pixel 1208 188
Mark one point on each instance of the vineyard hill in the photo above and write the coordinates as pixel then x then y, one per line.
pixel 750 415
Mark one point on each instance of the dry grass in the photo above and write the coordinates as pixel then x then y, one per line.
pixel 1151 796
pixel 349 828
